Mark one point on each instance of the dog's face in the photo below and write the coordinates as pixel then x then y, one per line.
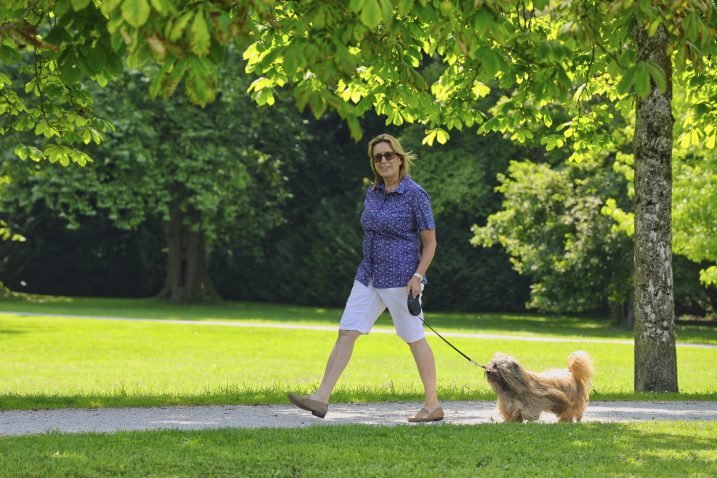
pixel 504 373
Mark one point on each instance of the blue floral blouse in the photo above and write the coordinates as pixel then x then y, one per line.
pixel 392 223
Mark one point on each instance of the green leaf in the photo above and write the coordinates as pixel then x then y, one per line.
pixel 430 137
pixel 355 128
pixel 217 51
pixel 627 81
pixel 483 21
pixel 35 154
pixel 157 47
pixel 135 12
pixel 156 83
pixel 684 140
pixel 657 76
pixel 97 59
pixel 387 11
pixel 356 5
pixel 371 14
pixel 114 64
pixel 317 105
pixel 480 90
pixel 695 136
pixel 30 85
pixel 139 56
pixel 553 141
pixel 58 153
pixel 302 92
pixel 405 6
pixel 319 20
pixel 442 136
pixel 489 63
pixel 61 8
pixel 176 74
pixel 43 128
pixel 78 157
pixel 21 152
pixel 642 82
pixel 201 40
pixel 4 80
pixel 163 6
pixel 652 29
pixel 108 6
pixel 578 92
pixel 199 85
pixel 709 276
pixel 179 26
pixel 264 97
pixel 78 5
pixel 96 136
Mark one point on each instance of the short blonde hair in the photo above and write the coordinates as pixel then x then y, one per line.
pixel 407 156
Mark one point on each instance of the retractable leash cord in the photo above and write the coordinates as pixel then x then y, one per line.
pixel 452 346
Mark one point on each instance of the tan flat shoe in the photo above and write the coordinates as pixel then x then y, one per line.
pixel 317 408
pixel 424 415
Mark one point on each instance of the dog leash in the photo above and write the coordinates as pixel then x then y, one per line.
pixel 452 346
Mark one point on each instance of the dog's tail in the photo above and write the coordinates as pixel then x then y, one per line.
pixel 581 366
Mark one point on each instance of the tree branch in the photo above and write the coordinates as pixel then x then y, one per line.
pixel 20 19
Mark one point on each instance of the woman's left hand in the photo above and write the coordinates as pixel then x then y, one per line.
pixel 414 286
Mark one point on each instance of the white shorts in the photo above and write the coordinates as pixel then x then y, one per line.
pixel 366 304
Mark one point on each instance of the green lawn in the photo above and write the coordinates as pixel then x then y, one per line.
pixel 56 362
pixel 560 450
pixel 489 323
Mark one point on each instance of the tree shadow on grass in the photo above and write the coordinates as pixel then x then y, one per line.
pixel 646 448
pixel 12 332
pixel 615 449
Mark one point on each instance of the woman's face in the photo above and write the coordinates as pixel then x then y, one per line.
pixel 387 169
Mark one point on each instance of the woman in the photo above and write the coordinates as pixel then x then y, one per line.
pixel 396 212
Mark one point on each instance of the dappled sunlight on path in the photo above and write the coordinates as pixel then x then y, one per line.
pixel 22 422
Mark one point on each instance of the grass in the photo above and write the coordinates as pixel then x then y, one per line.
pixel 61 362
pixel 488 323
pixel 560 450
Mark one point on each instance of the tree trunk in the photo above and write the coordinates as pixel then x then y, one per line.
pixel 623 314
pixel 188 278
pixel 4 291
pixel 655 356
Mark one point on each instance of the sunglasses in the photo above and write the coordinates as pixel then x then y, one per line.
pixel 389 155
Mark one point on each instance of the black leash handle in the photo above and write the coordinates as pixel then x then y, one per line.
pixel 452 346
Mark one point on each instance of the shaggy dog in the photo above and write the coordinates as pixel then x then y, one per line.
pixel 522 395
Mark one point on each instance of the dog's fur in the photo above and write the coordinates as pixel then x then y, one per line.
pixel 522 395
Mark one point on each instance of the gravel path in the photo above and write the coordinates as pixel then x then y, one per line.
pixel 22 422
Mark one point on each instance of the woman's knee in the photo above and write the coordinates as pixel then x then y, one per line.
pixel 349 334
pixel 418 344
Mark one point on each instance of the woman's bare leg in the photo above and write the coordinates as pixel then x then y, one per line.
pixel 423 355
pixel 339 358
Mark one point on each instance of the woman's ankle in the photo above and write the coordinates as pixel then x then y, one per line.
pixel 319 397
pixel 431 405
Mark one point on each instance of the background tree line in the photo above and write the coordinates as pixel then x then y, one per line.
pixel 263 204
